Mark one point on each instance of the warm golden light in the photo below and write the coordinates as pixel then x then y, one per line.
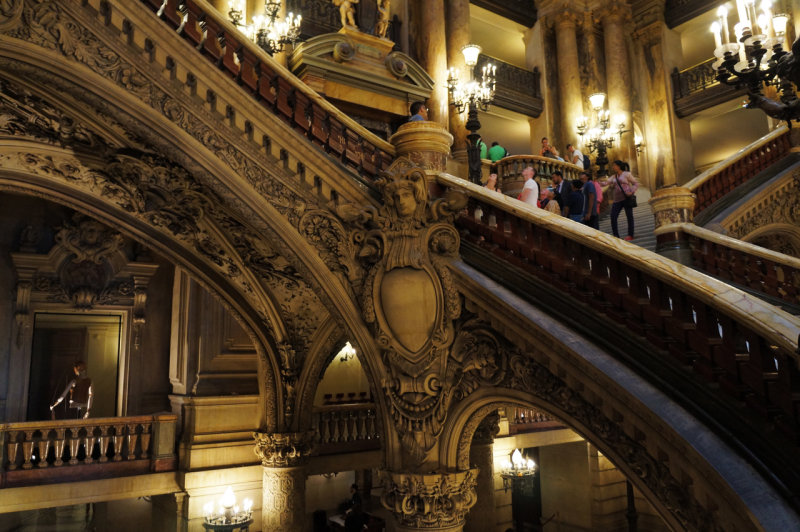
pixel 471 53
pixel 597 100
pixel 779 23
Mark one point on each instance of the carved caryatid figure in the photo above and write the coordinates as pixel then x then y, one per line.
pixel 347 11
pixel 382 26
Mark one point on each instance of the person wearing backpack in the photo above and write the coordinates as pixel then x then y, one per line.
pixel 575 155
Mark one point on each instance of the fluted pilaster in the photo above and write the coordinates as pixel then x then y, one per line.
pixel 458 36
pixel 432 50
pixel 569 82
pixel 615 19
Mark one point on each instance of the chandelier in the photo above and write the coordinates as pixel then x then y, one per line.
pixel 517 470
pixel 347 353
pixel 472 95
pixel 756 58
pixel 269 33
pixel 600 135
pixel 229 515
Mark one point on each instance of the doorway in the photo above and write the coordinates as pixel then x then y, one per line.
pixel 59 341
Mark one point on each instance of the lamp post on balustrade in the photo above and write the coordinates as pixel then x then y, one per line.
pixel 472 95
pixel 600 134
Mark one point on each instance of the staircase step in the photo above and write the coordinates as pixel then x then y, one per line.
pixel 643 222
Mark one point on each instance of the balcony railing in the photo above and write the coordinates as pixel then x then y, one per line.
pixel 696 88
pixel 43 452
pixel 701 322
pixel 520 11
pixel 509 171
pixel 739 168
pixel 517 89
pixel 531 420
pixel 346 428
pixel 272 87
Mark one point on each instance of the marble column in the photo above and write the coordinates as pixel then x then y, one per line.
pixel 673 205
pixel 569 82
pixel 481 456
pixel 429 501
pixel 283 456
pixel 432 52
pixel 458 36
pixel 616 19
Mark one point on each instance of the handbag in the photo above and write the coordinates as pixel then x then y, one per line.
pixel 630 201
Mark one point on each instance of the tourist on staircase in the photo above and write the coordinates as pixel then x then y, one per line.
pixel 624 186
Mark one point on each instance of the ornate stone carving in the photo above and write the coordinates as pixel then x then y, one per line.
pixel 284 449
pixel 672 205
pixel 10 10
pixel 283 499
pixel 429 501
pixel 408 297
pixel 780 205
pixel 488 429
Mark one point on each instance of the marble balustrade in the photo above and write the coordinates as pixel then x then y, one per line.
pixel 740 343
pixel 739 168
pixel 30 449
pixel 346 427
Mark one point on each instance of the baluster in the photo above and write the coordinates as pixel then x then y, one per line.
pixel 105 441
pixel 361 434
pixel 89 440
pixel 27 449
pixel 132 438
pixel 59 443
pixel 118 441
pixel 325 427
pixel 335 420
pixel 347 424
pixel 46 441
pixel 12 447
pixel 74 443
pixel 370 425
pixel 144 439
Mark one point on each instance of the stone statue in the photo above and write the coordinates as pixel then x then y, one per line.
pixel 383 18
pixel 347 11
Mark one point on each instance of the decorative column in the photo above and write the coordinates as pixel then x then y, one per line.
pixel 435 501
pixel 458 36
pixel 569 82
pixel 432 52
pixel 616 19
pixel 283 456
pixel 673 205
pixel 481 456
pixel 668 138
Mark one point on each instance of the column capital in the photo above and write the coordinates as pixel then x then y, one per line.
pixel 284 449
pixel 566 18
pixel 672 205
pixel 429 501
pixel 648 11
pixel 614 14
pixel 650 33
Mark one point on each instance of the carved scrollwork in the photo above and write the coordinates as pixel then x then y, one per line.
pixel 284 449
pixel 397 65
pixel 429 501
pixel 10 11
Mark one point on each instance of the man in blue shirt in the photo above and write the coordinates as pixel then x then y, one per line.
pixel 419 112
pixel 589 201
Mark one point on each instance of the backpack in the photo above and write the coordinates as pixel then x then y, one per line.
pixel 587 164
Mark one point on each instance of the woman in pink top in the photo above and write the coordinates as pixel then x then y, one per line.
pixel 623 185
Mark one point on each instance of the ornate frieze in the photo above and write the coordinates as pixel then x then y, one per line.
pixel 284 449
pixel 435 501
pixel 776 205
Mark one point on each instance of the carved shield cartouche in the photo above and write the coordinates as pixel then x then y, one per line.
pixel 409 299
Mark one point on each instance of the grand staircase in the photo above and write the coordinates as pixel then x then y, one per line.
pixel 643 222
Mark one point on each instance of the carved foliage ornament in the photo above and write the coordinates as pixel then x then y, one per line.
pixel 408 296
pixel 284 449
pixel 429 501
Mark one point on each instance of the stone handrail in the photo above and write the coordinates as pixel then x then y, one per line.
pixel 746 345
pixel 272 86
pixel 509 171
pixel 745 264
pixel 740 167
pixel 531 420
pixel 693 79
pixel 346 428
pixel 40 452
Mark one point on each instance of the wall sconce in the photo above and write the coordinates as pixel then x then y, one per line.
pixel 638 142
pixel 347 353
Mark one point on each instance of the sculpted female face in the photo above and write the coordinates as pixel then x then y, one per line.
pixel 405 202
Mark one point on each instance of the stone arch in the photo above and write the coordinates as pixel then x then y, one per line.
pixel 268 210
pixel 778 237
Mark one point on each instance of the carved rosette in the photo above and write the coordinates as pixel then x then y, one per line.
pixel 409 298
pixel 435 501
pixel 284 449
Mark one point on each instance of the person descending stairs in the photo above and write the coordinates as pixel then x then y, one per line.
pixel 643 221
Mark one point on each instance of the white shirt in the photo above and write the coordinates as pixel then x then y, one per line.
pixel 577 153
pixel 533 196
